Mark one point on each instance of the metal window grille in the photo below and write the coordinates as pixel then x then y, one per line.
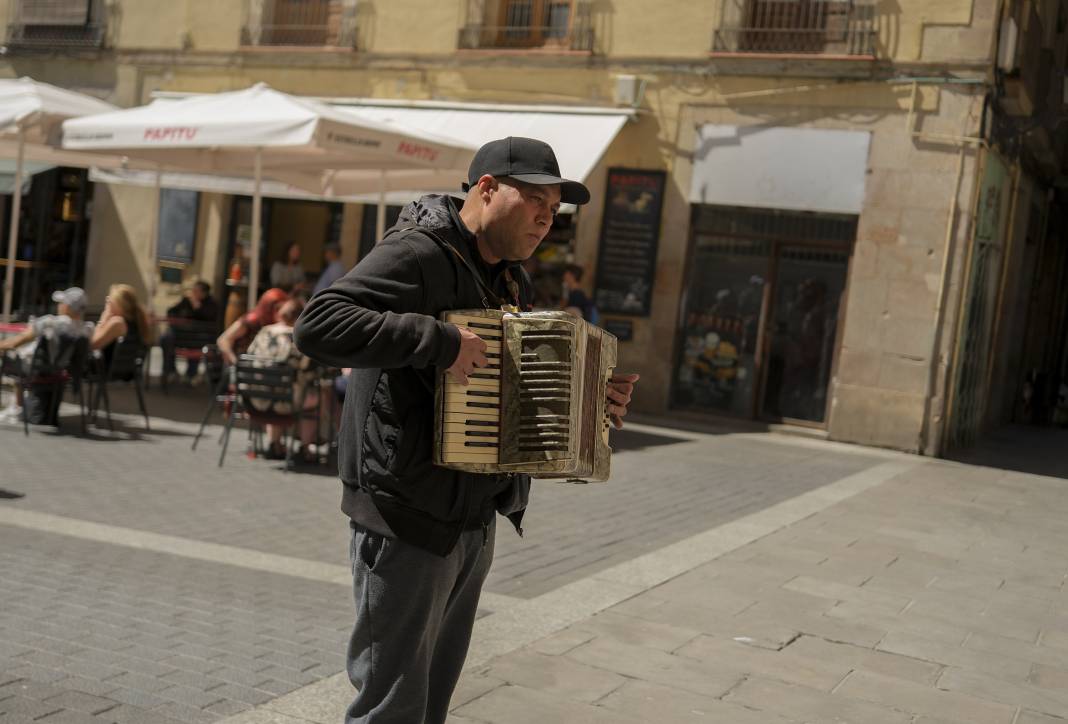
pixel 56 24
pixel 825 27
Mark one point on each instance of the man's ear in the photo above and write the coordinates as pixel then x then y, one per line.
pixel 486 186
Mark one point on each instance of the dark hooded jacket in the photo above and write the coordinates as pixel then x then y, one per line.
pixel 382 320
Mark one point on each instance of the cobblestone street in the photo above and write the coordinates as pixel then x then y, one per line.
pixel 717 577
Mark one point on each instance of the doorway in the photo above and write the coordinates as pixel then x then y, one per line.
pixel 761 316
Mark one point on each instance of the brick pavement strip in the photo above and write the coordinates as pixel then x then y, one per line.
pixel 142 676
pixel 81 702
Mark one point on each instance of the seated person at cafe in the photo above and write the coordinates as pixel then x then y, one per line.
pixel 239 335
pixel 274 343
pixel 124 317
pixel 198 307
pixel 18 351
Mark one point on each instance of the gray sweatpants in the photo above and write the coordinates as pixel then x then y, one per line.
pixel 414 615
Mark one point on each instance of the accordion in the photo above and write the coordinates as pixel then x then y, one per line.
pixel 539 407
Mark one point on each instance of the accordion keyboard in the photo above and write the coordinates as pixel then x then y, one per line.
pixel 473 411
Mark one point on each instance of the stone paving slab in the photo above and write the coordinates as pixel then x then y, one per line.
pixel 973 653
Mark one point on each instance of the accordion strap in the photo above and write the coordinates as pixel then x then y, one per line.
pixel 487 293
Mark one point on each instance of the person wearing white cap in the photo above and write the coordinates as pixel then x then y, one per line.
pixel 68 321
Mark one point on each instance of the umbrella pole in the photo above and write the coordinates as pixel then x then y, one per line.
pixel 380 216
pixel 153 251
pixel 13 234
pixel 254 252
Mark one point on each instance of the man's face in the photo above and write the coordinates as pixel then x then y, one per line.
pixel 518 216
pixel 64 309
pixel 199 294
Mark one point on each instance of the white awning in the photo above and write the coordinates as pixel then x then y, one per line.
pixel 801 169
pixel 579 135
pixel 236 185
pixel 240 186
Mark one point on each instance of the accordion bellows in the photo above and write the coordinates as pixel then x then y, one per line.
pixel 539 408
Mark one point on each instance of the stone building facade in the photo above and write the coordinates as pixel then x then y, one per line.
pixel 844 207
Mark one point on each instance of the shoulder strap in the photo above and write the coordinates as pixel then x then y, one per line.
pixel 487 293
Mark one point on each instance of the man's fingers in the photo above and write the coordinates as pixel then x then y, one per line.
pixel 620 393
pixel 630 377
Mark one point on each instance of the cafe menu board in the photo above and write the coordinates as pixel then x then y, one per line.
pixel 630 231
pixel 177 225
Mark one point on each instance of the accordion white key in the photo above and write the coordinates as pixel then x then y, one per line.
pixel 539 408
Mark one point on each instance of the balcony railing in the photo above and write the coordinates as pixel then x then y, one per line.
pixel 308 23
pixel 818 27
pixel 56 24
pixel 560 26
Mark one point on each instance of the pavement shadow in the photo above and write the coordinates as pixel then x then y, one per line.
pixel 1020 448
pixel 180 404
pixel 631 440
pixel 126 433
pixel 326 470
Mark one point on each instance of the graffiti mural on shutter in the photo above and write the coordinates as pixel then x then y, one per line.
pixel 980 300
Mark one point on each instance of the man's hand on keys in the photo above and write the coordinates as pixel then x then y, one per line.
pixel 472 356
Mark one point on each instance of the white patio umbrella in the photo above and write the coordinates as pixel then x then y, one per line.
pixel 30 116
pixel 263 133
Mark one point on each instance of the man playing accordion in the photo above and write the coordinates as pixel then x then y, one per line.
pixel 423 535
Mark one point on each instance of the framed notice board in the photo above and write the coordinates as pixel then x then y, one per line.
pixel 177 225
pixel 630 233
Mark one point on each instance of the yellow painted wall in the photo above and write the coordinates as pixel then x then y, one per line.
pixel 666 28
pixel 408 26
pixel 119 240
pixel 680 28
pixel 214 25
pixel 908 30
pixel 150 25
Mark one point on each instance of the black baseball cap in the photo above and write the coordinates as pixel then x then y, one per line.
pixel 524 159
